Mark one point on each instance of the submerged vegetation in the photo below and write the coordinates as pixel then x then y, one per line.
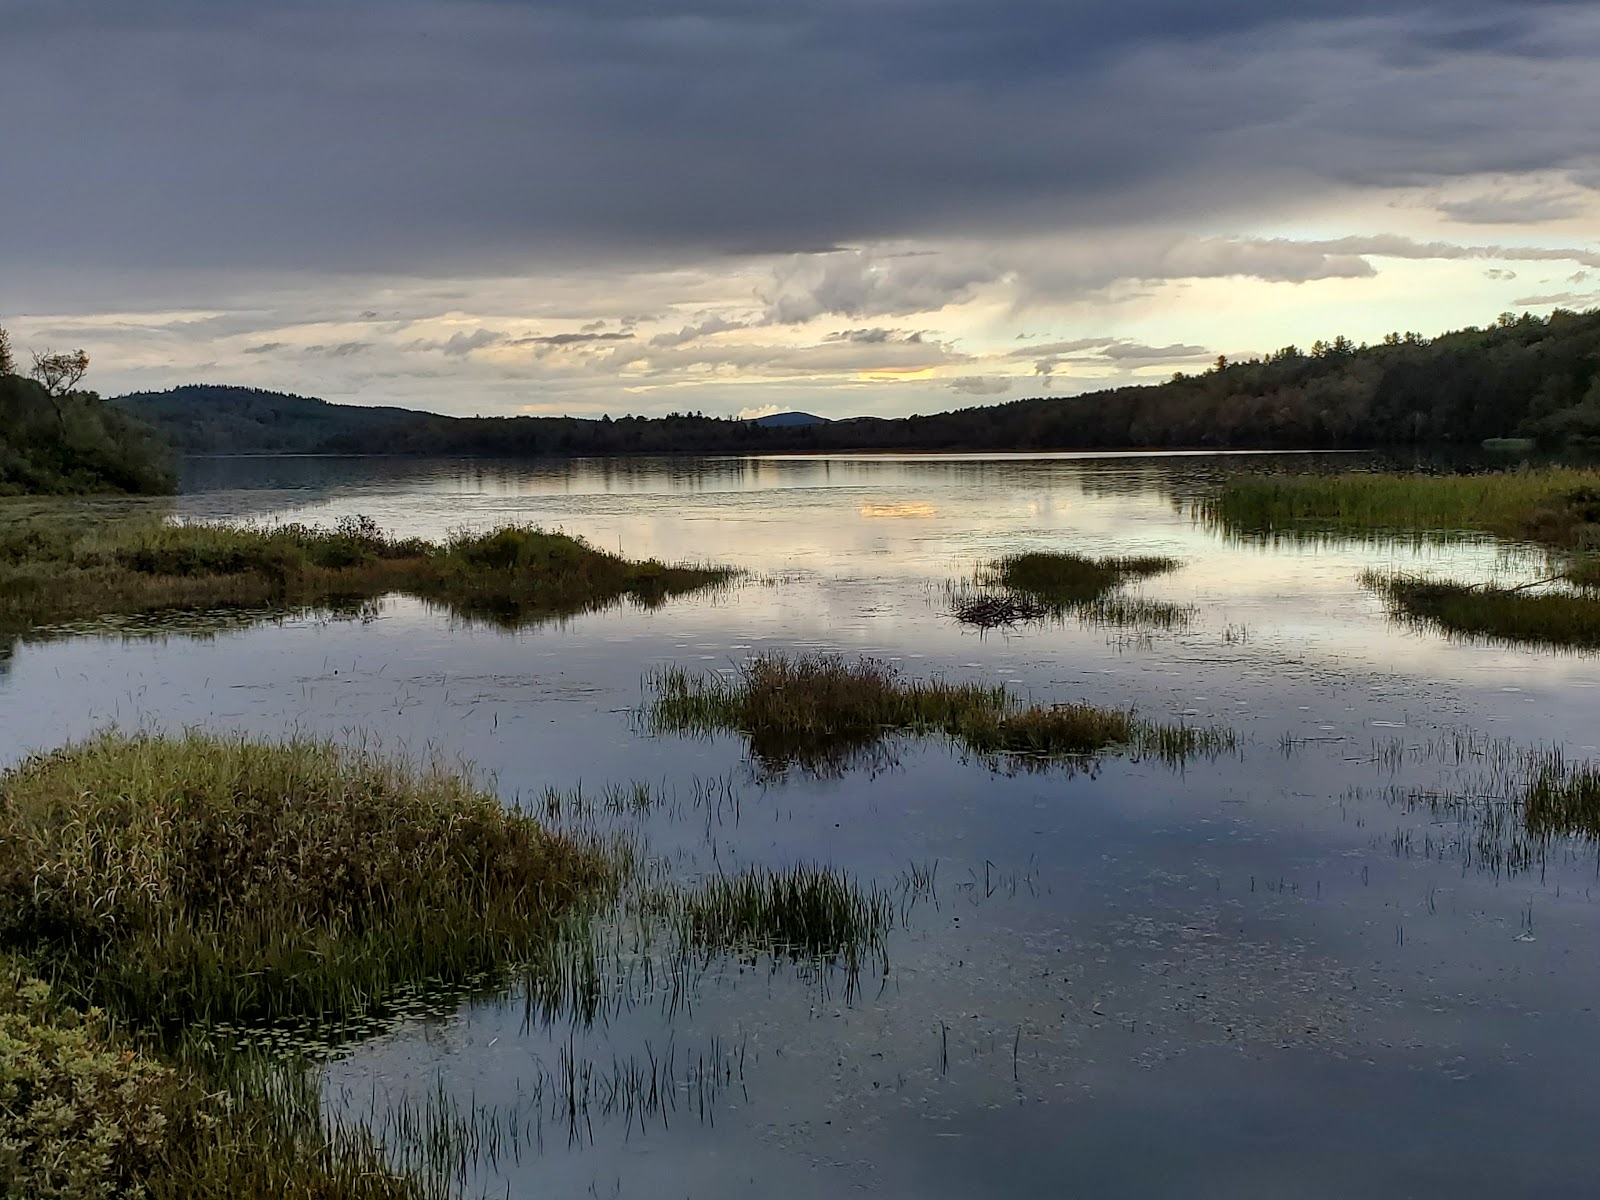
pixel 1040 585
pixel 1513 615
pixel 57 566
pixel 824 714
pixel 1555 506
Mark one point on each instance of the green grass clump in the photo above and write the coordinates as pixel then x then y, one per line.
pixel 1067 578
pixel 1040 585
pixel 1564 799
pixel 805 912
pixel 175 880
pixel 60 564
pixel 1557 506
pixel 1518 617
pixel 824 713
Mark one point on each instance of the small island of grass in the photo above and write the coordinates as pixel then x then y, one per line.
pixel 58 566
pixel 822 713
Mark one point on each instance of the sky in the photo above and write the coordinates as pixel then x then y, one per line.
pixel 848 207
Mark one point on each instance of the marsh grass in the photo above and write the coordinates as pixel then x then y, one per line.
pixel 804 912
pixel 182 880
pixel 1584 573
pixel 61 565
pixel 1563 798
pixel 823 713
pixel 1555 506
pixel 241 908
pixel 1511 615
pixel 1045 585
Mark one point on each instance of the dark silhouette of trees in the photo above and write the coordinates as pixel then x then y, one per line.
pixel 1527 377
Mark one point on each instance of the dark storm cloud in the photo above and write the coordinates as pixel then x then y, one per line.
pixel 477 137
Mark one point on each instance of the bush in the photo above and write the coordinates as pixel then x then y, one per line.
pixel 80 1116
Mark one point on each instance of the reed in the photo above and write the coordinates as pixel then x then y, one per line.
pixel 1556 506
pixel 1514 616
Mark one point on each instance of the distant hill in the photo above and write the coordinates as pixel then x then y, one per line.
pixel 1521 377
pixel 780 420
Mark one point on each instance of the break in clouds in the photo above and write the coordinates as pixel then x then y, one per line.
pixel 620 206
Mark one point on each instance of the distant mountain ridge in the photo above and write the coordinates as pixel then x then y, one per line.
pixel 782 419
pixel 1526 377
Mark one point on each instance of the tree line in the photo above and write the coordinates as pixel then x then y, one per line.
pixel 1521 376
pixel 56 438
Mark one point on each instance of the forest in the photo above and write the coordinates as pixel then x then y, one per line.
pixel 1523 377
pixel 56 439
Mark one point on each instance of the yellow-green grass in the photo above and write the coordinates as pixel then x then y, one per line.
pixel 1519 617
pixel 59 564
pixel 194 878
pixel 1555 506
pixel 823 712
pixel 150 885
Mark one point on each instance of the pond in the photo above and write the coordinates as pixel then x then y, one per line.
pixel 1308 967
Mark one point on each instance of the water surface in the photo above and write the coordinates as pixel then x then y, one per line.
pixel 1264 975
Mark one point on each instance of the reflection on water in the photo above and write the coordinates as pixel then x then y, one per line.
pixel 1338 962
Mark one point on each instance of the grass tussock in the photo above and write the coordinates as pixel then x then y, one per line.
pixel 1555 506
pixel 175 880
pixel 1514 616
pixel 805 912
pixel 824 713
pixel 1042 585
pixel 60 565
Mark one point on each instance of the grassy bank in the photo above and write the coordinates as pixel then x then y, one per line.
pixel 196 879
pixel 1555 506
pixel 1515 616
pixel 158 884
pixel 822 713
pixel 61 564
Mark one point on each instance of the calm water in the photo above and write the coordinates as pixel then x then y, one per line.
pixel 1263 976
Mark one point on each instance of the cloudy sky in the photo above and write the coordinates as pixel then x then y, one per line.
pixel 847 206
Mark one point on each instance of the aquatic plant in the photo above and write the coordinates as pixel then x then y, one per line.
pixel 1513 615
pixel 1556 506
pixel 1044 584
pixel 823 712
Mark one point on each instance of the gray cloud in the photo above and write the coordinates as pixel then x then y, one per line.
pixel 263 348
pixel 705 327
pixel 981 385
pixel 1499 274
pixel 353 135
pixel 571 339
pixel 1577 300
pixel 461 344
